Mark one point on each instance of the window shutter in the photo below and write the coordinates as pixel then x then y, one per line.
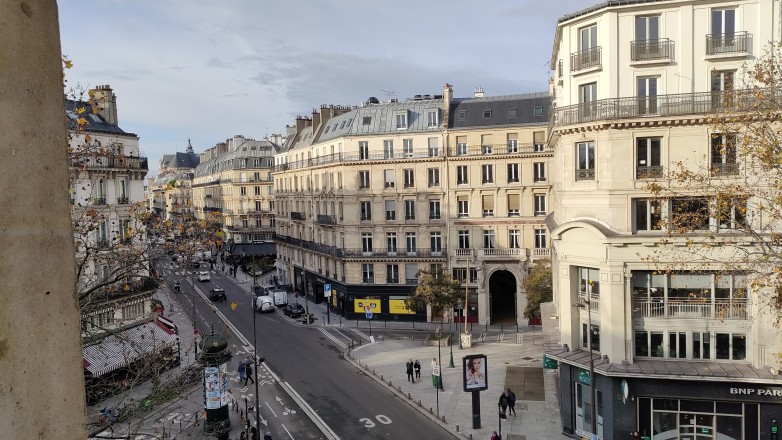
pixel 488 202
pixel 513 202
pixel 539 137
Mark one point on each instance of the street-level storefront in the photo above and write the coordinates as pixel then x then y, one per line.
pixel 667 400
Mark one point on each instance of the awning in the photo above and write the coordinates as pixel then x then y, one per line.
pixel 253 249
pixel 122 348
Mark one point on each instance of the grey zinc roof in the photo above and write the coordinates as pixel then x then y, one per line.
pixel 606 4
pixel 471 112
pixel 95 123
pixel 229 160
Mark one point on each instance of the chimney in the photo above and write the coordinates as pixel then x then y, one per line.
pixel 315 121
pixel 106 101
pixel 478 92
pixel 447 96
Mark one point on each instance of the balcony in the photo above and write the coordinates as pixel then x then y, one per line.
pixel 368 279
pixel 297 216
pixel 102 243
pixel 588 174
pixel 495 150
pixel 691 308
pixel 326 219
pixel 657 106
pixel 106 162
pixel 411 281
pixel 541 253
pixel 652 50
pixel 503 254
pixel 651 172
pixel 464 252
pixel 585 59
pixel 123 200
pixel 99 201
pixel 724 169
pixel 358 253
pixel 738 43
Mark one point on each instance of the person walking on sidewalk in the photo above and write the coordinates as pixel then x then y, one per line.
pixel 417 368
pixel 248 370
pixel 511 402
pixel 495 436
pixel 409 369
pixel 503 403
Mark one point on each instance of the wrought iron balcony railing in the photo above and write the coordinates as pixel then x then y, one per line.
pixel 650 50
pixel 297 215
pixel 724 169
pixel 651 172
pixel 735 43
pixel 585 59
pixel 327 219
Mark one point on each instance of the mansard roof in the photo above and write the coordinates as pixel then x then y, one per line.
pixel 95 123
pixel 497 111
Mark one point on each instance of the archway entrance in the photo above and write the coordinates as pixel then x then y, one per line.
pixel 502 289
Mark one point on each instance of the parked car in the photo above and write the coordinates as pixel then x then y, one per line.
pixel 294 310
pixel 280 297
pixel 204 276
pixel 217 294
pixel 263 304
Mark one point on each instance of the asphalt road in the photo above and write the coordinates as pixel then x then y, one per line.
pixel 352 405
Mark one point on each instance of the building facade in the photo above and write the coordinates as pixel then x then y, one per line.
pixel 170 193
pixel 680 354
pixel 368 196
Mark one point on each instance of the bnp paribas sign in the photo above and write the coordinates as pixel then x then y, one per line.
pixel 759 392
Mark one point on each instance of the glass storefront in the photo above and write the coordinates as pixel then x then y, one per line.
pixel 680 419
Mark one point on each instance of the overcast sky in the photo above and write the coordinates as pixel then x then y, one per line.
pixel 208 70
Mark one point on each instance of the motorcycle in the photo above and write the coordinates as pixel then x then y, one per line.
pixel 177 286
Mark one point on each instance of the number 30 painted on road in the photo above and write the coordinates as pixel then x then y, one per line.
pixel 368 423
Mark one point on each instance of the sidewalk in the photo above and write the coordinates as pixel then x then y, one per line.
pixel 515 363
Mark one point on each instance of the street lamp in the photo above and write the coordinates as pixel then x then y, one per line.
pixel 450 337
pixel 256 359
pixel 587 302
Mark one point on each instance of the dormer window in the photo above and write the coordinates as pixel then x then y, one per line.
pixel 486 114
pixel 401 120
pixel 367 120
pixel 462 115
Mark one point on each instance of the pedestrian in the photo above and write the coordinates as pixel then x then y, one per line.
pixel 267 436
pixel 495 436
pixel 409 370
pixel 503 403
pixel 512 402
pixel 417 368
pixel 242 371
pixel 248 370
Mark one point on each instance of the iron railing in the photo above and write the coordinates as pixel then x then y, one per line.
pixel 735 43
pixel 588 174
pixel 326 219
pixel 650 50
pixel 724 169
pixel 359 252
pixel 122 162
pixel 585 59
pixel 650 172
pixel 691 308
pixel 297 215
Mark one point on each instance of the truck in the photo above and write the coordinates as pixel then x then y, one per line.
pixel 280 297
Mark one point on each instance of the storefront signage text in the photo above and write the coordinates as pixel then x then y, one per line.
pixel 756 392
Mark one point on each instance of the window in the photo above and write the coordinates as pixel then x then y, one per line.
pixel 257 190
pixel 514 205
pixel 257 205
pixel 243 162
pixel 409 209
pixel 647 215
pixel 731 213
pixel 366 242
pixel 388 149
pixel 731 346
pixel 409 178
pixel 587 98
pixel 723 31
pixel 701 345
pixel 392 273
pixel 486 114
pixel 368 273
pixel 513 143
pixel 690 213
pixel 410 243
pixel 436 241
pixel 363 150
pixel 513 172
pixel 486 147
pixel 487 202
pixel 132 310
pixel 461 115
pixel 647 165
pixel 538 111
pixel 366 120
pixel 540 204
pixel 512 112
pixel 389 178
pixel 434 209
pixel 647 44
pixel 433 176
pixel 461 145
pixel 401 120
pixel 587 38
pixel 722 88
pixel 487 173
pixel 366 210
pixel 540 239
pixel 514 241
pixel 391 242
pixel 539 141
pixel 390 210
pixel 646 87
pixel 539 171
pixel 488 239
pixel 585 165
pixel 243 191
pixel 363 179
pixel 462 206
pixel 723 154
pixel 434 151
pixel 407 148
pixel 432 118
pixel 461 175
pixel 464 239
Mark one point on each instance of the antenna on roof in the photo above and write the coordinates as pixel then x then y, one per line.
pixel 389 93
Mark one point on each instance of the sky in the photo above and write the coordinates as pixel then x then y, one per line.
pixel 209 70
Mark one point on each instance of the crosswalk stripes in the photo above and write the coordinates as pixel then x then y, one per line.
pixel 333 338
pixel 360 333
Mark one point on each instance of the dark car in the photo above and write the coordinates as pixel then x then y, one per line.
pixel 293 310
pixel 217 294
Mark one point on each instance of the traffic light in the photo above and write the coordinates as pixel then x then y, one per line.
pixel 774 430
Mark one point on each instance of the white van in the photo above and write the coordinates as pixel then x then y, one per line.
pixel 263 304
pixel 280 298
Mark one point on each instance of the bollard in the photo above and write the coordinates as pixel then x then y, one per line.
pixel 399 388
pixel 408 396
pixel 443 419
pixel 381 377
pixel 471 436
pixel 430 410
pixel 391 384
pixel 419 403
pixel 457 427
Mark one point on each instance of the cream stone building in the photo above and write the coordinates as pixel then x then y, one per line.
pixel 170 194
pixel 368 196
pixel 233 179
pixel 683 355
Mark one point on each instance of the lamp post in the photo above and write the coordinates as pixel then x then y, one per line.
pixel 450 338
pixel 256 359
